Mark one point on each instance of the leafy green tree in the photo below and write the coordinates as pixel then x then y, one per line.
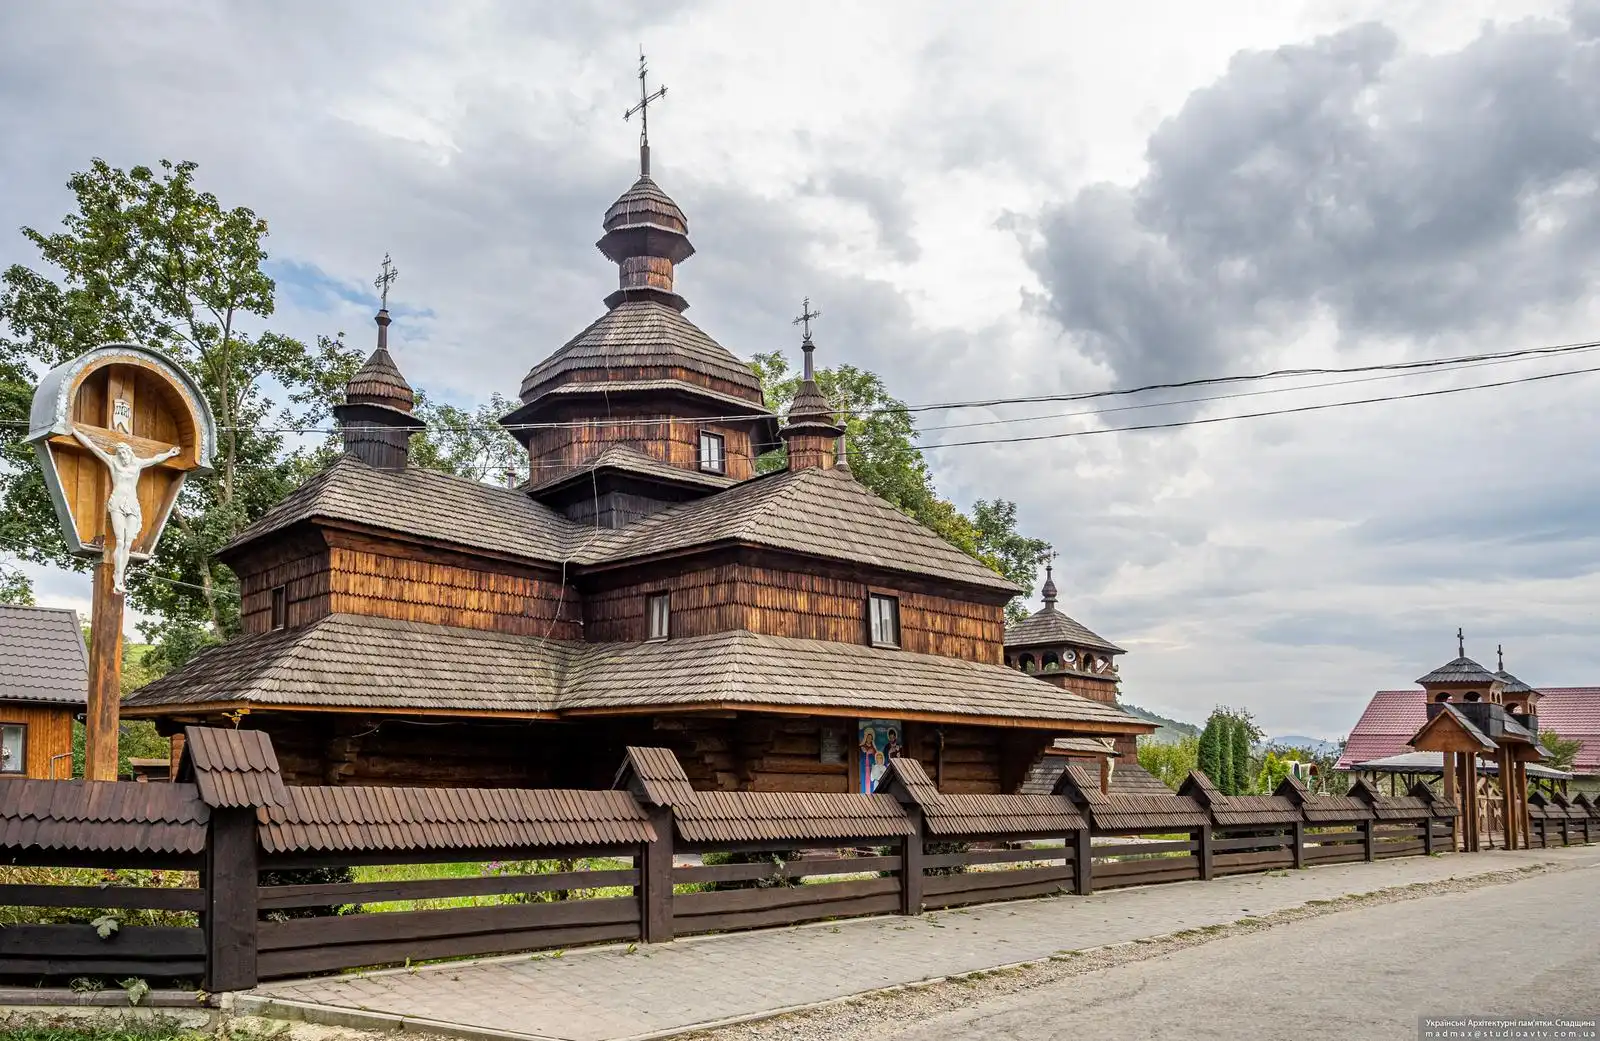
pixel 882 439
pixel 14 586
pixel 469 443
pixel 1563 751
pixel 1170 761
pixel 148 258
pixel 1209 749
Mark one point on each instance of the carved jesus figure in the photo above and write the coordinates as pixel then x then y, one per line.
pixel 123 506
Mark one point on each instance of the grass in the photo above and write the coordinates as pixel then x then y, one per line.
pixel 420 872
pixel 47 876
pixel 106 1029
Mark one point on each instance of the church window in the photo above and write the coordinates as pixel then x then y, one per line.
pixel 712 459
pixel 660 605
pixel 280 607
pixel 13 748
pixel 1026 664
pixel 885 618
pixel 1051 662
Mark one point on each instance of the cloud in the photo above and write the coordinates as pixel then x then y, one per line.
pixel 1401 193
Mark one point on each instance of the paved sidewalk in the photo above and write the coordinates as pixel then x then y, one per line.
pixel 608 994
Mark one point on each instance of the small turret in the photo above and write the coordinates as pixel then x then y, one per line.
pixel 375 417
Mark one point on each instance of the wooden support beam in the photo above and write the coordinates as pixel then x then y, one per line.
pixel 1083 861
pixel 229 879
pixel 655 878
pixel 1299 844
pixel 101 719
pixel 1203 850
pixel 1369 849
pixel 912 856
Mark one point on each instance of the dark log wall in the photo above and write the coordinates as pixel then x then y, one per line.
pixel 300 565
pixel 387 580
pixel 791 603
pixel 746 752
pixel 671 439
pixel 1095 688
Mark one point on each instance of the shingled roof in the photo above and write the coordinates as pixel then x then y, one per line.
pixel 713 816
pixel 642 333
pixel 42 657
pixel 1460 670
pixel 349 661
pixel 232 768
pixel 619 458
pixel 366 818
pixel 345 661
pixel 815 511
pixel 956 814
pixel 1129 813
pixel 1050 627
pixel 426 503
pixel 94 816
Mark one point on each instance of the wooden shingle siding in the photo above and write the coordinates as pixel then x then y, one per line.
pixel 674 441
pixel 300 566
pixel 97 817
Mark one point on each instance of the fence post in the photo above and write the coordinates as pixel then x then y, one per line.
pixel 655 879
pixel 1203 837
pixel 912 853
pixel 1369 836
pixel 1566 832
pixel 1427 835
pixel 1083 861
pixel 229 919
pixel 1299 840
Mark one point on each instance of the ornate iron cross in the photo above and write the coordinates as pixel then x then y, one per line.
pixel 385 280
pixel 806 314
pixel 643 109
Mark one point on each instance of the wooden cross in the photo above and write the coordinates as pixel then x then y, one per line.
pixel 385 280
pixel 643 109
pixel 806 314
pixel 1461 643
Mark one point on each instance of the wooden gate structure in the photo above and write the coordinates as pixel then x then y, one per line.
pixel 265 889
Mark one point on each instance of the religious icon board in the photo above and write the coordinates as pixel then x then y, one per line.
pixel 116 432
pixel 877 740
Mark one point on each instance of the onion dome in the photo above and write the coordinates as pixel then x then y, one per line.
pixel 379 382
pixel 646 234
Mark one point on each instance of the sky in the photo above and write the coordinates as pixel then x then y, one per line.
pixel 984 200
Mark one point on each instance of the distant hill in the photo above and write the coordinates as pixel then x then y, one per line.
pixel 1316 744
pixel 1171 729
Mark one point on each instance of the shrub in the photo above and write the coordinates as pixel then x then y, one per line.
pixel 121 878
pixel 309 877
pixel 778 857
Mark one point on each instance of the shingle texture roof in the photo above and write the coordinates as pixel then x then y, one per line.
pixel 42 657
pixel 1049 626
pixel 813 511
pixel 1013 814
pixel 645 202
pixel 426 503
pixel 361 818
pixel 639 334
pixel 354 661
pixel 357 661
pixel 657 774
pixel 763 816
pixel 1129 813
pixel 1232 811
pixel 1393 716
pixel 379 382
pixel 1512 684
pixel 233 768
pixel 1129 778
pixel 622 459
pixel 1461 670
pixel 96 816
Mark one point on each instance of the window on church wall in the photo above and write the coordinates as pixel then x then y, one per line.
pixel 1026 663
pixel 884 616
pixel 280 607
pixel 1051 662
pixel 13 748
pixel 712 458
pixel 660 615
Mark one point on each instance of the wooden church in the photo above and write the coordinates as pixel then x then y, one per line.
pixel 788 631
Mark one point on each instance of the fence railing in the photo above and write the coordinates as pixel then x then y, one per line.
pixel 228 877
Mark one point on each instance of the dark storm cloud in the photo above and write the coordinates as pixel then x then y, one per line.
pixel 1403 193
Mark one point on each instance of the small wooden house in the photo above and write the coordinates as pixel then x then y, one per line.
pixel 44 683
pixel 787 631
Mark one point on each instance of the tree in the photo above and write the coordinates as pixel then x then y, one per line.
pixel 1209 750
pixel 1169 761
pixel 1244 734
pixel 1225 759
pixel 882 439
pixel 148 258
pixel 1563 752
pixel 14 586
pixel 469 444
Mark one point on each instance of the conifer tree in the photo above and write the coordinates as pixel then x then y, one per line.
pixel 1210 757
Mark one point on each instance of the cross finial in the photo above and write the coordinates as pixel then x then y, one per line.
pixel 1461 643
pixel 643 109
pixel 1500 656
pixel 384 281
pixel 804 321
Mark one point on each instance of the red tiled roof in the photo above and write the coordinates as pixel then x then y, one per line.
pixel 1394 716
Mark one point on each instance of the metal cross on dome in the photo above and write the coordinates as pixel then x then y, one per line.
pixel 643 109
pixel 385 280
pixel 804 321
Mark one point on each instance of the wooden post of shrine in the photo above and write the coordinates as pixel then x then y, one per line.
pixel 116 432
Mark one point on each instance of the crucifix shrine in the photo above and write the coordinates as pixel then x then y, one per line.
pixel 116 432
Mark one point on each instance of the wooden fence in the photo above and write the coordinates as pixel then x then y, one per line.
pixel 264 881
